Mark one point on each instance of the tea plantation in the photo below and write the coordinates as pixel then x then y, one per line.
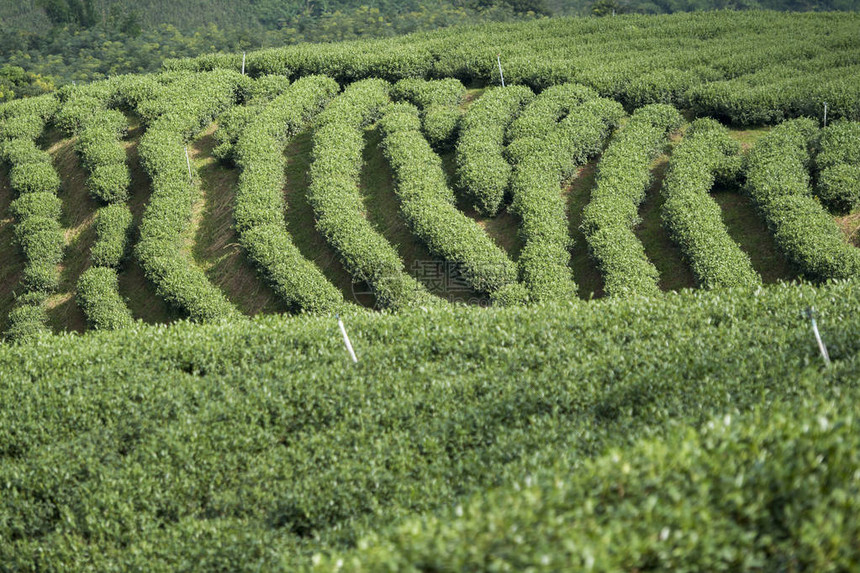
pixel 605 315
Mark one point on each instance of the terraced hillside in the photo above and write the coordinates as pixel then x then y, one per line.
pixel 669 251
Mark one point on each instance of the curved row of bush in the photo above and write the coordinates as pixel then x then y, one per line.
pixel 99 130
pixel 439 102
pixel 233 122
pixel 693 219
pixel 181 108
pixel 550 106
pixel 778 182
pixel 427 205
pixel 36 210
pixel 333 193
pixel 259 210
pixel 540 164
pixel 624 174
pixel 482 170
pixel 838 163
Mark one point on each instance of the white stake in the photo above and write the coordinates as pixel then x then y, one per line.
pixel 811 313
pixel 501 75
pixel 825 114
pixel 346 339
pixel 243 63
pixel 188 162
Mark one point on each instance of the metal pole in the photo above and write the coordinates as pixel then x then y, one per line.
pixel 346 339
pixel 825 114
pixel 188 163
pixel 243 63
pixel 811 313
pixel 501 75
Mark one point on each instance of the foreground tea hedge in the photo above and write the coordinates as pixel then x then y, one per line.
pixel 256 444
pixel 745 493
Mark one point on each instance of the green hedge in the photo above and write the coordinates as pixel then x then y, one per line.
pixel 41 204
pixel 439 102
pixel 743 493
pixel 550 106
pixel 259 210
pixel 482 170
pixel 36 177
pixel 838 163
pixel 540 165
pixel 710 63
pixel 233 122
pixel 693 218
pixel 113 228
pixel 333 193
pixel 427 204
pixel 778 182
pixel 624 174
pixel 98 296
pixel 37 209
pixel 182 107
pixel 26 322
pixel 255 445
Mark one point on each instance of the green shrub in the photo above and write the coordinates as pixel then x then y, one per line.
pixel 693 218
pixel 37 177
pixel 113 227
pixel 778 182
pixel 334 195
pixel 260 202
pixel 482 170
pixel 624 174
pixel 109 183
pixel 540 165
pixel 839 166
pixel 42 205
pixel 184 104
pixel 427 204
pixel 439 102
pixel 98 296
pixel 27 322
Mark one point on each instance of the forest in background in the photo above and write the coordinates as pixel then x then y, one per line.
pixel 48 43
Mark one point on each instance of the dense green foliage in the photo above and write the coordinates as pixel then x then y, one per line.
pixel 37 229
pixel 99 298
pixel 174 113
pixel 623 177
pixel 259 210
pixel 756 492
pixel 113 228
pixel 483 172
pixel 333 192
pixel 427 205
pixel 439 102
pixel 838 164
pixel 544 152
pixel 693 218
pixel 778 181
pixel 256 444
pixel 735 66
